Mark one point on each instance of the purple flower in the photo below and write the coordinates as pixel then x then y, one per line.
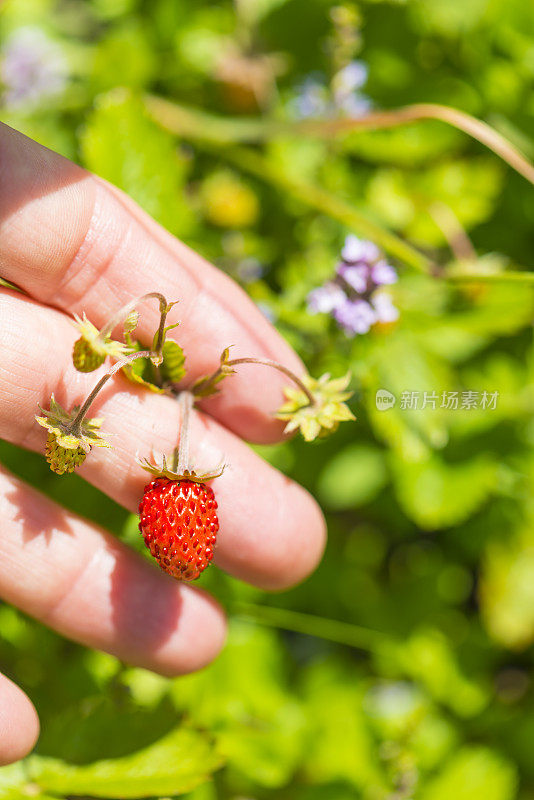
pixel 356 250
pixel 383 307
pixel 32 69
pixel 355 276
pixel 355 298
pixel 326 298
pixel 382 273
pixel 355 316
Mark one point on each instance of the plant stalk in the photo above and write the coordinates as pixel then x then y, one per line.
pixel 75 426
pixel 267 362
pixel 199 125
pixel 330 629
pixel 123 312
pixel 186 401
pixel 187 123
pixel 509 276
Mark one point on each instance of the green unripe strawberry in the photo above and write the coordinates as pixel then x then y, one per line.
pixel 84 357
pixel 93 346
pixel 69 439
pixel 63 459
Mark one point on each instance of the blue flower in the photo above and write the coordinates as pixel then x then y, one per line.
pixel 316 98
pixel 345 88
pixel 352 77
pixel 311 99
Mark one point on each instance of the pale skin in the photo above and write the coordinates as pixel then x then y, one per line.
pixel 74 243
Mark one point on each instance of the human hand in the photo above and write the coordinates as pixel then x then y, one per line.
pixel 74 243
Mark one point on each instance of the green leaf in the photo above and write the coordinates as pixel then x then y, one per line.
pixel 428 658
pixel 123 58
pixel 414 202
pixel 507 590
pixel 11 778
pixel 341 745
pixel 353 477
pixel 457 17
pixel 172 369
pixel 253 11
pixel 437 495
pixel 260 725
pixel 120 143
pixel 142 371
pixel 16 785
pixel 175 764
pixel 473 773
pixel 406 146
pixel 399 363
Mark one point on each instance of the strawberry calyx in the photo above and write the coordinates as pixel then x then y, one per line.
pixel 322 418
pixel 68 430
pixel 168 468
pixel 208 385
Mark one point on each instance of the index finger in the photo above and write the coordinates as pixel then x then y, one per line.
pixel 72 241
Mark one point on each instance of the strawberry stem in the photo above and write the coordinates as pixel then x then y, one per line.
pixel 123 312
pixel 76 424
pixel 186 401
pixel 267 362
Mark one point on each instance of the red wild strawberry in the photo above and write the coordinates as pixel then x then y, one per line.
pixel 179 525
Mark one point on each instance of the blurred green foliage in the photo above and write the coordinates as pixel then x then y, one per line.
pixel 402 668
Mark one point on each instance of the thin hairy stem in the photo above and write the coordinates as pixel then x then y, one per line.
pixel 267 362
pixel 195 124
pixel 186 401
pixel 216 133
pixel 190 124
pixel 456 236
pixel 123 312
pixel 475 128
pixel 75 425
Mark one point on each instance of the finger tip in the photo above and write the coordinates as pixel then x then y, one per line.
pixel 300 555
pixel 199 637
pixel 283 547
pixel 19 723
